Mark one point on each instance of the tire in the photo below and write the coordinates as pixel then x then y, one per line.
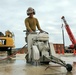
pixel 68 67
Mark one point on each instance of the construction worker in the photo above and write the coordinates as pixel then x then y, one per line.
pixel 31 22
pixel 8 33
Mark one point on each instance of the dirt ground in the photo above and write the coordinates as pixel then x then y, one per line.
pixel 18 66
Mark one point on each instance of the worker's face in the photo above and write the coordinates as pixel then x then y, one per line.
pixel 31 15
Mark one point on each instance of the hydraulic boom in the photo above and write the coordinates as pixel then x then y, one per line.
pixel 71 36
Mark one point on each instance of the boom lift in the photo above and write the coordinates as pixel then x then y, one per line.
pixel 6 42
pixel 71 36
pixel 40 51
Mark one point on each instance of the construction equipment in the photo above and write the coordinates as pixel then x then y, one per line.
pixel 6 42
pixel 40 51
pixel 71 36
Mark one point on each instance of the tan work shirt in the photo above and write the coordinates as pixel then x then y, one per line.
pixel 31 24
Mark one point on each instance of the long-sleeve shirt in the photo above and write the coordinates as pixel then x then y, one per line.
pixel 31 24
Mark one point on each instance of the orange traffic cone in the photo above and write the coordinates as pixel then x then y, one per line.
pixel 62 51
pixel 74 52
pixel 59 51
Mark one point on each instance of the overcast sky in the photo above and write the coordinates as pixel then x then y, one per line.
pixel 48 12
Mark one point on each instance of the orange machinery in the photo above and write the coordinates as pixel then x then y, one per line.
pixel 71 36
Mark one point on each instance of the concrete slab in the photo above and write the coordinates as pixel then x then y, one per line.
pixel 18 66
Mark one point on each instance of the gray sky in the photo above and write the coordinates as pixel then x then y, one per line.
pixel 48 12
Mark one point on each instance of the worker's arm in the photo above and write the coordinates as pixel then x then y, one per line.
pixel 38 26
pixel 27 25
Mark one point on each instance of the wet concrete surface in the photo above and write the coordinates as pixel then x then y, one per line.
pixel 18 66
